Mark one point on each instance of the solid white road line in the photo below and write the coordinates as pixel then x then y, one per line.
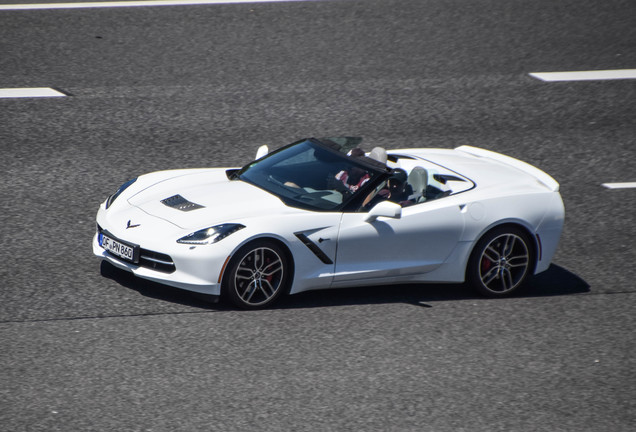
pixel 628 185
pixel 116 4
pixel 35 92
pixel 617 74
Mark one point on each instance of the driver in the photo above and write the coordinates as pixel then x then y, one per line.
pixel 397 190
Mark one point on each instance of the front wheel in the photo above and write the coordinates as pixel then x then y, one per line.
pixel 501 262
pixel 257 274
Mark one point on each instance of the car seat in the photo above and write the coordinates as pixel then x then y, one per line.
pixel 418 179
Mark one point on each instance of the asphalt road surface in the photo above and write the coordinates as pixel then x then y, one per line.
pixel 87 348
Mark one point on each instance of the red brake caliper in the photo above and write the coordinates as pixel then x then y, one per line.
pixel 269 277
pixel 485 265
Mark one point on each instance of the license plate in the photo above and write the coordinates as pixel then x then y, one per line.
pixel 117 248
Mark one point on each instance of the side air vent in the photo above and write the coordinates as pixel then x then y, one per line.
pixel 180 203
pixel 314 248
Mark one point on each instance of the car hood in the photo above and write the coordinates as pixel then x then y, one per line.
pixel 204 198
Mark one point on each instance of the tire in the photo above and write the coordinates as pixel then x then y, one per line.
pixel 501 262
pixel 257 275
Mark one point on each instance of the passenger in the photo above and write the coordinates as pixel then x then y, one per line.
pixel 354 177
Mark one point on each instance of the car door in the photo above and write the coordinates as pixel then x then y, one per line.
pixel 417 242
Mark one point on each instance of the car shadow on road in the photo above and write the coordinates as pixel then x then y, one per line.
pixel 556 281
pixel 158 291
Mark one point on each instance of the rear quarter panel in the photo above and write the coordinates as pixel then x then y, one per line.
pixel 541 213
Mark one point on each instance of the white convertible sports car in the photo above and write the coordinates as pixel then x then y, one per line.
pixel 322 213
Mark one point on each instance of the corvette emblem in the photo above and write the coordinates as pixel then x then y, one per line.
pixel 129 225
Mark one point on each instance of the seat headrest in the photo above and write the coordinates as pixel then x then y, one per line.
pixel 379 154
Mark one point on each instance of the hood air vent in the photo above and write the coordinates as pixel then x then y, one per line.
pixel 180 203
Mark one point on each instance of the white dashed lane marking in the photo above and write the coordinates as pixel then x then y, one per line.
pixel 117 4
pixel 628 185
pixel 34 92
pixel 617 74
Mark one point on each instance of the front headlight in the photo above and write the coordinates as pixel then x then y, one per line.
pixel 211 235
pixel 122 188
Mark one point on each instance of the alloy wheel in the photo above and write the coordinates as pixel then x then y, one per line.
pixel 504 263
pixel 259 276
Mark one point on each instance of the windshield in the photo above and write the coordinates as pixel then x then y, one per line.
pixel 312 175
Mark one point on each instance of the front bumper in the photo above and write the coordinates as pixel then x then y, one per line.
pixel 194 270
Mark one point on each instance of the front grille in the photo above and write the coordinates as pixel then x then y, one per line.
pixel 156 261
pixel 150 259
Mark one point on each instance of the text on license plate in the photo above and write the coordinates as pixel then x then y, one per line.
pixel 117 248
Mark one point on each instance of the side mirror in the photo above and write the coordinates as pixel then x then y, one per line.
pixel 262 151
pixel 385 209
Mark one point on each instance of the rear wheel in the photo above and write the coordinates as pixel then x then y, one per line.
pixel 501 262
pixel 257 274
